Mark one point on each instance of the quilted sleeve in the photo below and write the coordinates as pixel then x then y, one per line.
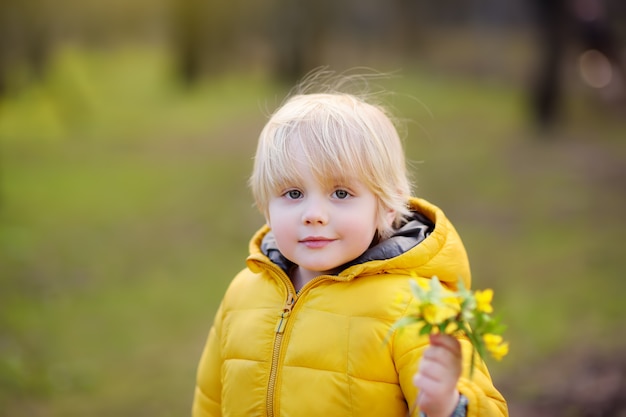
pixel 484 399
pixel 207 396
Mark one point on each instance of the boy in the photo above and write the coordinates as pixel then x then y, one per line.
pixel 301 331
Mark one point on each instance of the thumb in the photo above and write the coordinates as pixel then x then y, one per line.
pixel 446 341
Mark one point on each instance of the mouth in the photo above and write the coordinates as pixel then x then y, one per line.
pixel 315 242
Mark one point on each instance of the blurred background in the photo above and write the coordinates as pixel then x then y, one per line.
pixel 127 131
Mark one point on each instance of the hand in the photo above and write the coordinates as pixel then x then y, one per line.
pixel 437 376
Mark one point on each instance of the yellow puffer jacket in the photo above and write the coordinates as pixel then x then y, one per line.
pixel 323 351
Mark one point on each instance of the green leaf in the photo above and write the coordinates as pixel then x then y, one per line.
pixel 443 326
pixel 426 329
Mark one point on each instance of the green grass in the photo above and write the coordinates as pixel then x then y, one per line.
pixel 124 213
pixel 111 267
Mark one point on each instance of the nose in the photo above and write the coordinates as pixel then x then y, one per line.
pixel 315 212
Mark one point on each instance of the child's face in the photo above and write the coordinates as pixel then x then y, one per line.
pixel 320 227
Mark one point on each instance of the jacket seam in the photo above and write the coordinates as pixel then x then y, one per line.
pixel 348 370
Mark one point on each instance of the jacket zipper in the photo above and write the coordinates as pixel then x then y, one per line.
pixel 292 297
pixel 280 328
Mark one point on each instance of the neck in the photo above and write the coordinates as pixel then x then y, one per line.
pixel 300 277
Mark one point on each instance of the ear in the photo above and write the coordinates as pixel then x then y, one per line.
pixel 390 216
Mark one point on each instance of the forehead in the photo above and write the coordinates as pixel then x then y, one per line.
pixel 299 153
pixel 302 171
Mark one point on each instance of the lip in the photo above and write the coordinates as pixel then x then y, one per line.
pixel 316 242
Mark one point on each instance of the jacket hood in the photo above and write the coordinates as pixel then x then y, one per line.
pixel 426 245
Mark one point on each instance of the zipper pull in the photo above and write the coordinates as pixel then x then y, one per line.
pixel 284 315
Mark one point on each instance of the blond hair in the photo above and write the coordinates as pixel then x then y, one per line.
pixel 341 136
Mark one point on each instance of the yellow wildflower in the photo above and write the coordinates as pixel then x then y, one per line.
pixel 483 300
pixel 436 314
pixel 492 340
pixel 500 351
pixel 436 309
pixel 493 343
pixel 429 312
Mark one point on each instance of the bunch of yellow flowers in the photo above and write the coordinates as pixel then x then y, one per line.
pixel 439 310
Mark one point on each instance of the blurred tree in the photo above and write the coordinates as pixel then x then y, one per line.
pixel 298 32
pixel 409 16
pixel 189 21
pixel 561 24
pixel 205 36
pixel 25 39
pixel 6 30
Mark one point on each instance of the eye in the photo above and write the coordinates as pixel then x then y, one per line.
pixel 341 194
pixel 293 194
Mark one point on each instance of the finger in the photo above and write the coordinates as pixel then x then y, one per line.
pixel 447 342
pixel 438 364
pixel 429 372
pixel 435 370
pixel 418 381
pixel 441 355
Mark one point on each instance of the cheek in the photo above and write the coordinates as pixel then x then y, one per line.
pixel 273 212
pixel 280 222
pixel 363 224
pixel 285 237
